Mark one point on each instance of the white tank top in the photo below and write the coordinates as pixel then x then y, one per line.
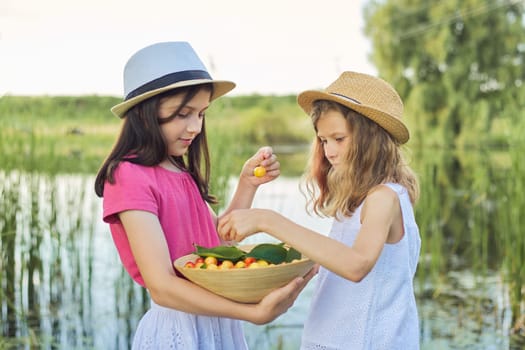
pixel 380 311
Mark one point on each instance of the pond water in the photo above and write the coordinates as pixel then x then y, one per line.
pixel 63 287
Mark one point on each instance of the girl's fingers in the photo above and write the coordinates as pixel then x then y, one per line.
pixel 270 162
pixel 227 230
pixel 266 152
pixel 264 156
pixel 223 228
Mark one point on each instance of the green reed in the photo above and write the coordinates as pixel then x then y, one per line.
pixel 470 217
pixel 49 256
pixel 510 227
pixel 9 207
pixel 430 225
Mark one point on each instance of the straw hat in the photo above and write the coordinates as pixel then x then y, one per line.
pixel 161 67
pixel 370 96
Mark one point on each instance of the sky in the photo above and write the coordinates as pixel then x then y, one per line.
pixel 80 47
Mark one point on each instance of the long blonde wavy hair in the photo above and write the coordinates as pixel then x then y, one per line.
pixel 373 158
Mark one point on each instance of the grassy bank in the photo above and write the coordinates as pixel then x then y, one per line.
pixel 74 134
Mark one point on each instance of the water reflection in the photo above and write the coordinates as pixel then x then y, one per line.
pixel 62 285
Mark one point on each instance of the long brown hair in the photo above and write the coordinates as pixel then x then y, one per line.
pixel 373 158
pixel 141 142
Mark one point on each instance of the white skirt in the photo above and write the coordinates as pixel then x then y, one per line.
pixel 163 328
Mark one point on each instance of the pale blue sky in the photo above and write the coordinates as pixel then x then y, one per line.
pixel 64 47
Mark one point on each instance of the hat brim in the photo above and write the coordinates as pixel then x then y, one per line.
pixel 220 88
pixel 391 124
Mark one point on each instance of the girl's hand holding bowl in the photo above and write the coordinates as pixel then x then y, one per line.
pixel 277 282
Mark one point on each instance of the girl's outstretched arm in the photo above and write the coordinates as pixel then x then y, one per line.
pixel 380 218
pixel 150 250
pixel 248 182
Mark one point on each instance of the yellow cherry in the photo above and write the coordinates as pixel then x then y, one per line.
pixel 259 171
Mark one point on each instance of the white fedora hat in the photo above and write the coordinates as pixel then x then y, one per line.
pixel 161 67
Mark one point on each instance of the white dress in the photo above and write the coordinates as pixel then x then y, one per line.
pixel 380 311
pixel 163 328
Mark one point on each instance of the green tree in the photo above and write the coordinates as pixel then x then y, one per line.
pixel 458 64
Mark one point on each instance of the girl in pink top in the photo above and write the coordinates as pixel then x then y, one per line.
pixel 156 200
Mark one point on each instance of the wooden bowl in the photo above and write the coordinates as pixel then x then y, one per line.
pixel 245 285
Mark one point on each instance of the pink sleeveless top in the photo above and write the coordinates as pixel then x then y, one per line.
pixel 173 197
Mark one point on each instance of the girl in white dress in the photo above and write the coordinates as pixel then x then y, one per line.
pixel 364 297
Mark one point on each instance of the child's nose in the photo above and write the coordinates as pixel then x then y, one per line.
pixel 330 151
pixel 195 124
